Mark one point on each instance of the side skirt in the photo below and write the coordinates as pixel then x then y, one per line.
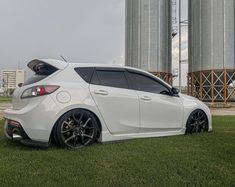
pixel 107 137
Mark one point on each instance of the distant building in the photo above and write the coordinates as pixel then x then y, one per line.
pixel 1 91
pixel 11 78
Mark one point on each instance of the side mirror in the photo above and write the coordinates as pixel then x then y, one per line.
pixel 174 91
pixel 20 84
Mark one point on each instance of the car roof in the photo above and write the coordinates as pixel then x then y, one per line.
pixel 62 64
pixel 74 65
pixel 77 65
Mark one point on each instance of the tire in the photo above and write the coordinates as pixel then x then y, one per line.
pixel 197 122
pixel 76 129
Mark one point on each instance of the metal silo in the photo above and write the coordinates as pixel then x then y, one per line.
pixel 148 36
pixel 211 49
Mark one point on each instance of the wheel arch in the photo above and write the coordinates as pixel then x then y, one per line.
pixel 188 111
pixel 207 118
pixel 61 114
pixel 194 110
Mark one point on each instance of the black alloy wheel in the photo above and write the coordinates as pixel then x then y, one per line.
pixel 197 122
pixel 77 128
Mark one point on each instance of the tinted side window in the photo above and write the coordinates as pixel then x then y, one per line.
pixel 146 84
pixel 95 79
pixel 112 78
pixel 85 73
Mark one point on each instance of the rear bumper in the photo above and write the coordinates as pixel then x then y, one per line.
pixel 14 132
pixel 37 118
pixel 17 133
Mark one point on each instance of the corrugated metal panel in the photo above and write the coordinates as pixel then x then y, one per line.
pixel 148 35
pixel 211 34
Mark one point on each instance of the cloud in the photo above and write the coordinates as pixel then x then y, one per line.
pixel 184 46
pixel 184 54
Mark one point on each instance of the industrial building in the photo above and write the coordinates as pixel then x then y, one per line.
pixel 11 78
pixel 211 49
pixel 148 36
pixel 211 37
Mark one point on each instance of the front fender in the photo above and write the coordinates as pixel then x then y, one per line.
pixel 190 104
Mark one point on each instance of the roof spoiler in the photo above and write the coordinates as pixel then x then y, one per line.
pixel 58 64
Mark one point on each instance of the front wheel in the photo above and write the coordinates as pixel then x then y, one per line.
pixel 76 129
pixel 197 122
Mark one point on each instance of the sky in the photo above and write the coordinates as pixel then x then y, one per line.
pixel 184 48
pixel 79 30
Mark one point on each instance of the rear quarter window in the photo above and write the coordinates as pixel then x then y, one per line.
pixel 85 73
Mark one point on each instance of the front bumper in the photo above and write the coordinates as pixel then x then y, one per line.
pixel 16 132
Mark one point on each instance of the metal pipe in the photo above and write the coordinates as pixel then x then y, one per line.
pixel 16 137
pixel 180 45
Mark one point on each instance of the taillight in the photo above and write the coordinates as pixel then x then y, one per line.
pixel 37 91
pixel 14 123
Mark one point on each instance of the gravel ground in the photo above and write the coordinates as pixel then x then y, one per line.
pixel 223 111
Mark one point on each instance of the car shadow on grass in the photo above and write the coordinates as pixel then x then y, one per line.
pixel 17 145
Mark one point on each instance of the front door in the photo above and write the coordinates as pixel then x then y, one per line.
pixel 159 111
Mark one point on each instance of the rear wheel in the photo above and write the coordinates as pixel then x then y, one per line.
pixel 197 122
pixel 76 129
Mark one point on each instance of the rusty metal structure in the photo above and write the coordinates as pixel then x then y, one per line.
pixel 211 50
pixel 148 36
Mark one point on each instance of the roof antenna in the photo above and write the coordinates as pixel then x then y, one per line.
pixel 63 58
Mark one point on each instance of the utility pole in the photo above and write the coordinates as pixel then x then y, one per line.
pixel 182 23
pixel 7 84
pixel 174 18
pixel 180 71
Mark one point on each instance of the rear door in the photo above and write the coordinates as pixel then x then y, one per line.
pixel 118 105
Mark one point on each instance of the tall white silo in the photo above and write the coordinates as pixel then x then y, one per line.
pixel 148 36
pixel 211 49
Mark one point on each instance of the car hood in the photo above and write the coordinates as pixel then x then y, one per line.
pixel 188 97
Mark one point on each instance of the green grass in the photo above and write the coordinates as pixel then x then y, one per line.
pixel 196 160
pixel 5 99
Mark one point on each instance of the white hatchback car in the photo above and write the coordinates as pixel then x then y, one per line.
pixel 76 104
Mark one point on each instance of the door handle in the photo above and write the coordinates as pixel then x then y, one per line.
pixel 101 92
pixel 146 98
